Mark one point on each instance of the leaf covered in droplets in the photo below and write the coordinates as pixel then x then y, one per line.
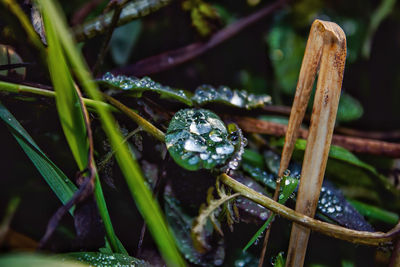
pixel 99 259
pixel 139 86
pixel 238 98
pixel 181 224
pixel 332 204
pixel 197 138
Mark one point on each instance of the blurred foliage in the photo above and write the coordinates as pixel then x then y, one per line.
pixel 263 59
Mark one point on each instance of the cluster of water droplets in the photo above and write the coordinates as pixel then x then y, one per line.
pixel 143 84
pixel 197 138
pixel 104 260
pixel 238 98
pixel 329 203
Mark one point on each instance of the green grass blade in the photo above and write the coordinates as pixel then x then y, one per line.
pixel 146 204
pixel 67 100
pixel 72 120
pixel 55 178
pixel 287 189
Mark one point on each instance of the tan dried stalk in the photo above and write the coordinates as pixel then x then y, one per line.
pixel 326 50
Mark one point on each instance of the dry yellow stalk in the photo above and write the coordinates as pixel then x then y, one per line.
pixel 326 50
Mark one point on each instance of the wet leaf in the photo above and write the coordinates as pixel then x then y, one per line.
pixel 206 94
pixel 331 204
pixel 279 260
pixel 99 259
pixel 181 225
pixel 138 86
pixel 197 138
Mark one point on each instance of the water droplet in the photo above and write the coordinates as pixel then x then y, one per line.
pixel 224 149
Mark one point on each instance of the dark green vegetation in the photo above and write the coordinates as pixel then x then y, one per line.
pixel 130 128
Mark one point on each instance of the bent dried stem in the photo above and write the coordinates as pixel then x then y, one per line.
pixel 339 232
pixel 326 49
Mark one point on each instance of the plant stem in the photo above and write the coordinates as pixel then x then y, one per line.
pixel 25 89
pixel 146 125
pixel 339 232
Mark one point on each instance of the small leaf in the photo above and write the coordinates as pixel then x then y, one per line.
pixel 138 86
pixel 286 50
pixel 241 99
pixel 197 138
pixel 209 212
pixel 279 260
pixel 123 40
pixel 99 259
pixel 350 109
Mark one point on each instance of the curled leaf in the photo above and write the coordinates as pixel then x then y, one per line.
pixel 138 86
pixel 197 138
pixel 209 212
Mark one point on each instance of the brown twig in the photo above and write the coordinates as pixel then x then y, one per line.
pixel 354 144
pixel 86 184
pixel 176 57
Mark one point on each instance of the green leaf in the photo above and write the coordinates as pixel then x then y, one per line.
pixel 343 155
pixel 123 40
pixel 279 260
pixel 144 199
pixel 375 213
pixel 138 86
pixel 55 178
pixel 104 259
pixel 242 99
pixel 350 109
pixel 286 50
pixel 36 260
pixel 197 138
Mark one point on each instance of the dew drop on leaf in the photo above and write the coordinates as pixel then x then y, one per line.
pixel 197 138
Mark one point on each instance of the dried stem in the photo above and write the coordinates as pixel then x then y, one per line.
pixel 326 49
pixel 339 232
pixel 354 144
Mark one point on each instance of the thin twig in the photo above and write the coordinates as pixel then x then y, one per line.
pixel 354 144
pixel 14 66
pixel 173 58
pixel 104 47
pixel 133 10
pixel 339 232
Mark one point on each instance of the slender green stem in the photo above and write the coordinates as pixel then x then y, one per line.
pixel 25 89
pixel 146 125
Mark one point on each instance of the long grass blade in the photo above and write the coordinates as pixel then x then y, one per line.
pixel 72 119
pixel 146 204
pixel 55 178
